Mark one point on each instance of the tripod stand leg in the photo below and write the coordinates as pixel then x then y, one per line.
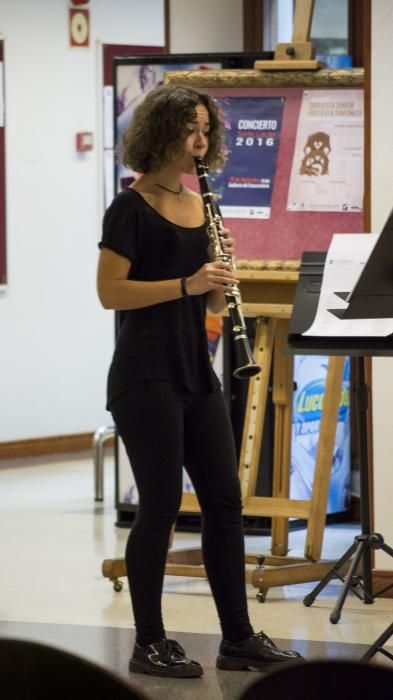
pixel 336 612
pixel 385 548
pixel 388 550
pixel 378 644
pixel 368 597
pixel 334 572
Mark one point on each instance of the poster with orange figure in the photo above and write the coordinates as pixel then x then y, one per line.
pixel 327 165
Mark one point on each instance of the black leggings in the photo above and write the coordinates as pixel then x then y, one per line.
pixel 163 429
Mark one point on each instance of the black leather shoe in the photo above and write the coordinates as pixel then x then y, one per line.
pixel 164 658
pixel 257 651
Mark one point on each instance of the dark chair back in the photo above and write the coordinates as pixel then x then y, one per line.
pixel 323 680
pixel 34 671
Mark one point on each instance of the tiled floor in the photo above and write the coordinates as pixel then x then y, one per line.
pixel 54 538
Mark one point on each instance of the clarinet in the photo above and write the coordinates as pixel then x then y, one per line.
pixel 245 365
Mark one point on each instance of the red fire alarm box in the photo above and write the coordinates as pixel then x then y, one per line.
pixel 84 141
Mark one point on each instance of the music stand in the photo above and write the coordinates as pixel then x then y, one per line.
pixel 378 645
pixel 376 273
pixel 372 295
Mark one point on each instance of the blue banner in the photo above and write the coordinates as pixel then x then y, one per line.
pixel 310 377
pixel 252 135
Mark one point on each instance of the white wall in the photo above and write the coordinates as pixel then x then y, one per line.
pixel 381 204
pixel 55 340
pixel 206 25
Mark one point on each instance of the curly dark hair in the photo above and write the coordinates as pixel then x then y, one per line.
pixel 159 127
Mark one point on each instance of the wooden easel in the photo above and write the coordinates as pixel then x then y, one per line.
pixel 299 53
pixel 277 288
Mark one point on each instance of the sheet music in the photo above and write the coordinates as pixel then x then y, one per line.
pixel 345 260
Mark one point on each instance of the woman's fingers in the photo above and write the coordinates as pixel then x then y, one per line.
pixel 223 274
pixel 228 242
pixel 213 275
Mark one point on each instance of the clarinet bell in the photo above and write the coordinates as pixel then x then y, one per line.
pixel 246 366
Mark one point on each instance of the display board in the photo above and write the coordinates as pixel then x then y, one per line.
pixel 326 104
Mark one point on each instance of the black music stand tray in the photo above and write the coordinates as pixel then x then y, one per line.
pixel 356 579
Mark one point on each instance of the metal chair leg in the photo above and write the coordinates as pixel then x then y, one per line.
pixel 100 437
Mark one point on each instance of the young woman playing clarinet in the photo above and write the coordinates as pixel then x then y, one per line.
pixel 164 396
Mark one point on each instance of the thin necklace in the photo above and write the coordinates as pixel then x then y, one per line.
pixel 168 189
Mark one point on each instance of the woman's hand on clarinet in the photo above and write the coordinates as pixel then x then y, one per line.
pixel 228 242
pixel 212 275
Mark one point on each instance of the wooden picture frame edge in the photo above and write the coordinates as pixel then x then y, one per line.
pixel 249 78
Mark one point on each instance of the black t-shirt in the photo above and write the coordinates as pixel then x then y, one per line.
pixel 164 341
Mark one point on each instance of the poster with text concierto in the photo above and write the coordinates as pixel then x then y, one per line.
pixel 252 134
